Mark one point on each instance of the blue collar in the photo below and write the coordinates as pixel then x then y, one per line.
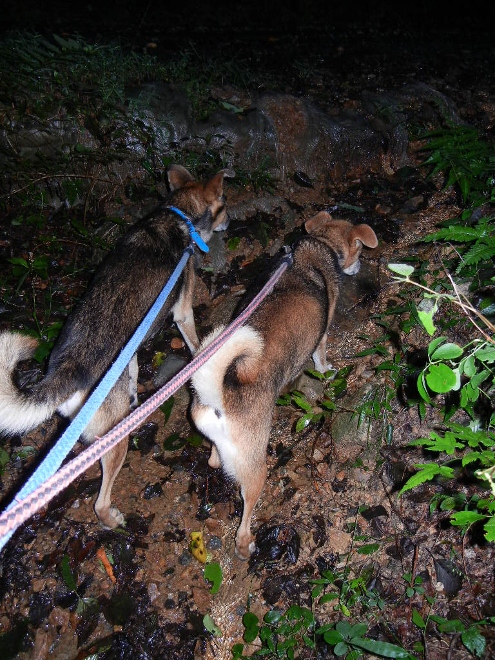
pixel 192 229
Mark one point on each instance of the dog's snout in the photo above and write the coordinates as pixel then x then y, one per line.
pixel 353 269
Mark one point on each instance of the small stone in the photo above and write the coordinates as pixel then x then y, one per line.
pixel 215 543
pixel 177 343
pixel 381 209
pixel 185 559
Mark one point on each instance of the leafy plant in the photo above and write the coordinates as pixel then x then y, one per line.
pixel 467 370
pixel 347 592
pixel 471 635
pixel 475 242
pixel 283 635
pixel 377 402
pixel 334 385
pixel 349 640
pixel 70 579
pixel 414 585
pixel 467 160
pixel 280 634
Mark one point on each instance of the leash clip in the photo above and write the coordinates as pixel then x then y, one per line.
pixel 192 229
pixel 288 257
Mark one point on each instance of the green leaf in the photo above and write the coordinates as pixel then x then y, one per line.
pixel 301 401
pixel 420 383
pixel 343 627
pixel 19 261
pixel 384 649
pixel 462 518
pixel 304 421
pixel 474 641
pixel 233 242
pixel 67 575
pixel 418 620
pixel 447 351
pixel 368 549
pixel 454 233
pixel 173 442
pixel 405 270
pixel 435 442
pixel 426 472
pixel 489 528
pixel 195 440
pixel 213 573
pixel 333 637
pixel 4 459
pixel 468 366
pixel 249 620
pixel 358 630
pixel 340 649
pixel 426 319
pixel 211 626
pixel 440 378
pixel 326 598
pixel 434 344
pixel 166 408
pixel 478 252
pixel 237 651
pixel 486 355
pixel 448 625
pixel 250 634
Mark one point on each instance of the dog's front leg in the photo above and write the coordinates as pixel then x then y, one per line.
pixel 183 311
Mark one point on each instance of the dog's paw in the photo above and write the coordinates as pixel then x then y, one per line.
pixel 244 550
pixel 111 518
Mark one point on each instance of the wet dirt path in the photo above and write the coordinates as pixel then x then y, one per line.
pixel 61 598
pixel 152 601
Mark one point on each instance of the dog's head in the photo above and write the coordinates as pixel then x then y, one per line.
pixel 202 201
pixel 344 238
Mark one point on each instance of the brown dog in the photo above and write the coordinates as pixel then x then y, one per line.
pixel 122 291
pixel 236 390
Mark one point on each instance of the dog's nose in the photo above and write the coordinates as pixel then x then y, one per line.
pixel 223 226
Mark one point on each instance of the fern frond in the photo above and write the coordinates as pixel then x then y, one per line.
pixel 457 234
pixel 476 253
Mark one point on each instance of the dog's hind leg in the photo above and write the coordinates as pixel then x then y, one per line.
pixel 250 473
pixel 320 356
pixel 133 370
pixel 113 410
pixel 109 515
pixel 251 483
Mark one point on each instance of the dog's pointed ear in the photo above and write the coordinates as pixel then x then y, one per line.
pixel 178 176
pixel 215 184
pixel 317 221
pixel 365 235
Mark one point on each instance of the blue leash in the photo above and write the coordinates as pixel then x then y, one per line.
pixel 59 451
pixel 192 229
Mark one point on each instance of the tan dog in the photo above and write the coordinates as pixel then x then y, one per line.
pixel 122 291
pixel 236 390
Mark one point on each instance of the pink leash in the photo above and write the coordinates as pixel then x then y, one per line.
pixel 25 508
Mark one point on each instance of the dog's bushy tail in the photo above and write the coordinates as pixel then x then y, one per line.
pixel 19 412
pixel 240 355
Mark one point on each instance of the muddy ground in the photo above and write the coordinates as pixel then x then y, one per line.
pixel 331 487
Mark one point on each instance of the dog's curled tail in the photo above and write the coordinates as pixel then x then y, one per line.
pixel 240 355
pixel 18 412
